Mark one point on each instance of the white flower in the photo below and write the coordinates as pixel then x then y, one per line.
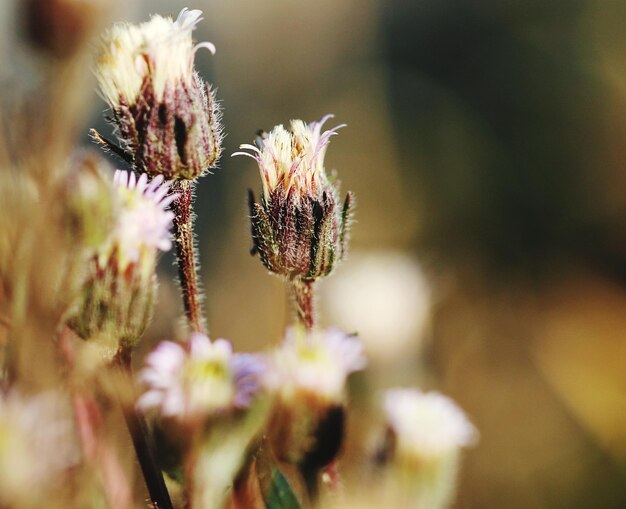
pixel 426 425
pixel 161 48
pixel 143 222
pixel 37 442
pixel 198 379
pixel 317 363
pixel 293 161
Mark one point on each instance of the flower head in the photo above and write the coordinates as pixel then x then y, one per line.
pixel 316 364
pixel 426 424
pixel 308 375
pixel 298 228
pixel 144 221
pixel 292 162
pixel 199 379
pixel 160 50
pixel 118 292
pixel 166 116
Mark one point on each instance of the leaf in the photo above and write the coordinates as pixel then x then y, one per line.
pixel 280 494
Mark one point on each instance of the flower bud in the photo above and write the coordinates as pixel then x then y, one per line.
pixel 309 376
pixel 425 434
pixel 166 116
pixel 299 228
pixel 117 297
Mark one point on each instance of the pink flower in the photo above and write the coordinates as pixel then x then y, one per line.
pixel 199 379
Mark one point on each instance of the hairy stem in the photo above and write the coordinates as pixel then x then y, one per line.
pixel 144 447
pixel 304 300
pixel 186 255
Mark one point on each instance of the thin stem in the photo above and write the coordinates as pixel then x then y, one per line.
pixel 186 254
pixel 304 300
pixel 144 448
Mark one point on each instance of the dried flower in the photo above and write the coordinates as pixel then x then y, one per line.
pixel 199 379
pixel 298 228
pixel 426 432
pixel 309 373
pixel 166 116
pixel 37 442
pixel 118 293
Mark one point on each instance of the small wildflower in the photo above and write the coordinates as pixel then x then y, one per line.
pixel 118 293
pixel 426 425
pixel 317 363
pixel 426 432
pixel 166 116
pixel 309 373
pixel 199 379
pixel 144 222
pixel 298 228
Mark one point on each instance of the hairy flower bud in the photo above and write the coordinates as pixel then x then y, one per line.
pixel 166 116
pixel 299 228
pixel 118 294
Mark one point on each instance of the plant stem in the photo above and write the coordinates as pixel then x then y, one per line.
pixel 144 448
pixel 186 254
pixel 304 299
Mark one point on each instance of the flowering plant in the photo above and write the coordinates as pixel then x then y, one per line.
pixel 210 427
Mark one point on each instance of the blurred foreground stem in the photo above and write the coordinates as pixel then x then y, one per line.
pixel 186 254
pixel 142 442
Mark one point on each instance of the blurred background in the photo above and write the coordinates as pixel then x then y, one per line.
pixel 485 146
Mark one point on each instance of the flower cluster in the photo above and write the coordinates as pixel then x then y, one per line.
pixel 298 228
pixel 166 116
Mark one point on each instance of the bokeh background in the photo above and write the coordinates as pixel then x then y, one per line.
pixel 486 148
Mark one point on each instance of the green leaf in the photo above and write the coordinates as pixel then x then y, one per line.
pixel 280 494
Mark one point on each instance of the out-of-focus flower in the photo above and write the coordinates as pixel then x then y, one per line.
pixel 37 443
pixel 317 363
pixel 426 424
pixel 118 294
pixel 298 228
pixel 90 200
pixel 166 115
pixel 426 432
pixel 384 295
pixel 199 379
pixel 309 374
pixel 143 224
